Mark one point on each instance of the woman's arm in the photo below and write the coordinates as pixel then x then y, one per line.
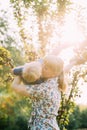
pixel 31 91
pixel 19 87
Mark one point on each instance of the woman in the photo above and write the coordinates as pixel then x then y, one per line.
pixel 45 96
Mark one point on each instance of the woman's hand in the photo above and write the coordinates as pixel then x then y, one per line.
pixel 17 81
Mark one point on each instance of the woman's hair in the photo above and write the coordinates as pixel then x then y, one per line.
pixel 32 71
pixel 56 66
pixel 54 63
pixel 62 83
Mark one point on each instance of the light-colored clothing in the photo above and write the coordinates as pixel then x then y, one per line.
pixel 45 104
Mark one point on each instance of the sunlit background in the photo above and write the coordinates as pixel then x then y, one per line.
pixel 72 32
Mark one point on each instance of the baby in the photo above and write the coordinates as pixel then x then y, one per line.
pixel 40 70
pixel 29 72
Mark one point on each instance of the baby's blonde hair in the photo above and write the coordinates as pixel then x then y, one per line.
pixel 32 71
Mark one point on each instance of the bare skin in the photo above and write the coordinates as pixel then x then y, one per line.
pixel 47 72
pixel 19 87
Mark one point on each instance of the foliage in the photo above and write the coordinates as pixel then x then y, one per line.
pixel 5 60
pixel 20 14
pixel 80 56
pixel 77 76
pixel 62 6
pixel 44 16
pixel 8 35
pixel 77 119
pixel 11 105
pixel 14 112
pixel 5 57
pixel 10 56
pixel 74 119
pixel 83 119
pixel 40 7
pixel 68 102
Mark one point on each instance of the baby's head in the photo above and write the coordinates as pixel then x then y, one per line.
pixel 52 66
pixel 32 71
